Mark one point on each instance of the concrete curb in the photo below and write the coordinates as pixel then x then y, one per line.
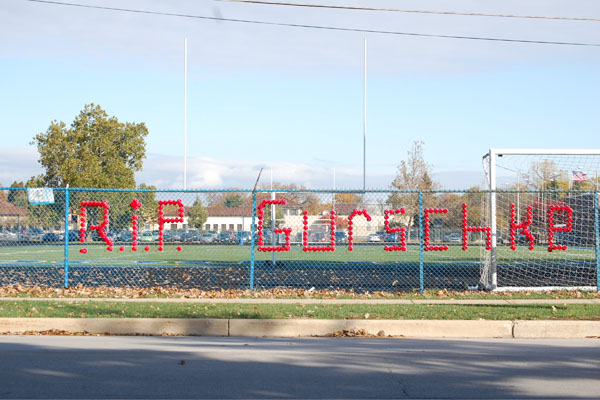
pixel 309 327
pixel 396 328
pixel 119 326
pixel 556 329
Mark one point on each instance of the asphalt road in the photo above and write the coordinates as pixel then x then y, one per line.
pixel 209 367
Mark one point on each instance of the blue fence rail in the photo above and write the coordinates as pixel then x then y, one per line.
pixel 374 240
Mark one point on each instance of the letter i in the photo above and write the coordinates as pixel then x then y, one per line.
pixel 135 204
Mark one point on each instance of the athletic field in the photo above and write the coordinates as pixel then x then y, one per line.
pixel 367 268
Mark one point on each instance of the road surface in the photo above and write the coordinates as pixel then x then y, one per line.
pixel 211 367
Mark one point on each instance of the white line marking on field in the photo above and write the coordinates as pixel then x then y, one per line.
pixel 16 253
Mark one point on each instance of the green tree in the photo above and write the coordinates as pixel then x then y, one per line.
pixel 268 221
pixel 46 215
pixel 233 200
pixel 17 197
pixel 95 151
pixel 478 203
pixel 475 198
pixel 197 214
pixel 227 199
pixel 268 209
pixel 149 210
pixel 590 184
pixel 348 198
pixel 453 202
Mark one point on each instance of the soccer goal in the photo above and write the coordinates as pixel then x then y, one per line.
pixel 542 209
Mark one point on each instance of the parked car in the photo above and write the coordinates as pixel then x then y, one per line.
pixel 146 237
pixel 52 237
pixel 95 236
pixel 267 235
pixel 208 237
pixel 173 235
pixel 521 239
pixel 341 237
pixel 453 237
pixel 393 237
pixel 191 236
pixel 317 237
pixel 74 236
pixel 7 236
pixel 226 237
pixel 125 236
pixel 374 237
pixel 243 237
pixel 32 235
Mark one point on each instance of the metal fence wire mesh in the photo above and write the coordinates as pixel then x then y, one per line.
pixel 559 246
pixel 362 241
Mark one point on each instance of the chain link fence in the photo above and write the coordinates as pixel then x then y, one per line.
pixel 362 241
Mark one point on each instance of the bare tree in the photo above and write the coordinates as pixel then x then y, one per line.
pixel 541 173
pixel 413 174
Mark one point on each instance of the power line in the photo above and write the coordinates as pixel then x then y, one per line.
pixel 411 11
pixel 331 28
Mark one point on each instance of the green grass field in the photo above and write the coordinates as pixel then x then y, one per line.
pixel 99 255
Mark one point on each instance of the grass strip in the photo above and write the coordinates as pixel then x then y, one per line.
pixel 53 309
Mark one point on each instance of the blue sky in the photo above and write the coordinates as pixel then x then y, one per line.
pixel 291 100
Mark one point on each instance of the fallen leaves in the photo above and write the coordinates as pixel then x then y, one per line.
pixel 272 293
pixel 350 333
pixel 60 332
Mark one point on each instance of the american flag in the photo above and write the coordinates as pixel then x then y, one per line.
pixel 579 176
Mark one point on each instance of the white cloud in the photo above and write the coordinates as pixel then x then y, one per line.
pixel 206 173
pixel 166 172
pixel 18 164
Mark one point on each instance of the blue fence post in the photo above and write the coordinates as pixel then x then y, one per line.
pixel 66 238
pixel 252 241
pixel 596 211
pixel 421 275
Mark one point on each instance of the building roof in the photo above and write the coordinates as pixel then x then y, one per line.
pixel 223 211
pixel 245 210
pixel 345 208
pixel 9 209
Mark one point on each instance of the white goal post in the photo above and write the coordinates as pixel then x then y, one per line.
pixel 572 161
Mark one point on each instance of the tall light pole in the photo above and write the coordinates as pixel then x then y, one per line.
pixel 184 113
pixel 365 118
pixel 333 194
pixel 518 196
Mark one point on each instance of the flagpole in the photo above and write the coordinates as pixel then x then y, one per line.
pixel 185 113
pixel 571 181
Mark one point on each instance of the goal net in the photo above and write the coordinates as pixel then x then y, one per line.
pixel 543 212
